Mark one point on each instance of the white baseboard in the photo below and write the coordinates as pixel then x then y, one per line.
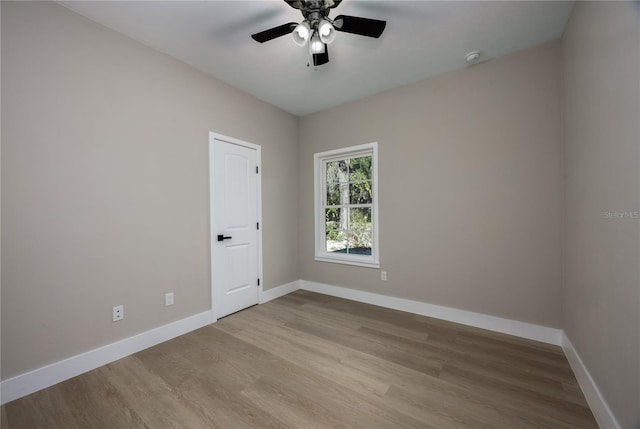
pixel 601 411
pixel 492 323
pixel 41 378
pixel 279 291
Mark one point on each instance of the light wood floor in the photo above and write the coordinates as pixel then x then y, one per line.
pixel 312 361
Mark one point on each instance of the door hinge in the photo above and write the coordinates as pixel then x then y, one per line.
pixel 258 282
pixel 257 225
pixel 256 169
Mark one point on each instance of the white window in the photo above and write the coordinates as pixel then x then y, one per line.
pixel 346 205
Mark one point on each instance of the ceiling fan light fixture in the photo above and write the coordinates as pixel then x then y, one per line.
pixel 326 31
pixel 301 33
pixel 317 30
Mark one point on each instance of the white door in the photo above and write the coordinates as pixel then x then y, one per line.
pixel 234 224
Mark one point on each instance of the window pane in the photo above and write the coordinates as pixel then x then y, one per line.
pixel 335 219
pixel 360 193
pixel 360 242
pixel 333 195
pixel 336 242
pixel 338 194
pixel 360 219
pixel 337 172
pixel 360 168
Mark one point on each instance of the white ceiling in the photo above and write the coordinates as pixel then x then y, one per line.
pixel 422 39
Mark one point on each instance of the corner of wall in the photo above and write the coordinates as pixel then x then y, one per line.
pixel 599 406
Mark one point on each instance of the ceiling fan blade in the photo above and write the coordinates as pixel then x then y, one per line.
pixel 296 4
pixel 273 33
pixel 323 58
pixel 362 26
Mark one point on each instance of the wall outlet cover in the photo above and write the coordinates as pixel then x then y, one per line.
pixel 168 299
pixel 118 313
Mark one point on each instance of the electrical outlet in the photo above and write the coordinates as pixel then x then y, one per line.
pixel 383 276
pixel 118 313
pixel 168 299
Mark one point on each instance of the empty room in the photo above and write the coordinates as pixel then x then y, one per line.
pixel 320 214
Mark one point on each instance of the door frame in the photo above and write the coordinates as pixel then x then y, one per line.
pixel 213 136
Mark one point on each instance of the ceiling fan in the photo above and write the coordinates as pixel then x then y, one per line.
pixel 318 30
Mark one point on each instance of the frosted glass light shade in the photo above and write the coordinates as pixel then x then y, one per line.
pixel 326 31
pixel 317 47
pixel 301 33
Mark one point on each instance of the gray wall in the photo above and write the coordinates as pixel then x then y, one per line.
pixel 601 300
pixel 105 184
pixel 470 187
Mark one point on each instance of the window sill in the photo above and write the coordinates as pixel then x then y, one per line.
pixel 366 264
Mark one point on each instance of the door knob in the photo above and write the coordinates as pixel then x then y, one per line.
pixel 222 237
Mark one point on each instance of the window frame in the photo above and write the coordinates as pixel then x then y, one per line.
pixel 320 186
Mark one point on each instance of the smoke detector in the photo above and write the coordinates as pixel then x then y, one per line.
pixel 472 57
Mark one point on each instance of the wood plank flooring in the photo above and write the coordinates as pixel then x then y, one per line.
pixel 313 361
